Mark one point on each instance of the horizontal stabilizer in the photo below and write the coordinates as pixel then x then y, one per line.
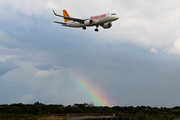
pixel 60 23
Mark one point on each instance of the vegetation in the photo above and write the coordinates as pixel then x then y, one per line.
pixel 33 111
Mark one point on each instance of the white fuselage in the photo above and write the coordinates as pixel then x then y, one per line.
pixel 96 20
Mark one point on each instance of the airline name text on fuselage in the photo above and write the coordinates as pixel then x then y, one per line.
pixel 97 17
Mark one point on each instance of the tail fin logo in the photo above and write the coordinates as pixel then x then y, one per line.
pixel 65 13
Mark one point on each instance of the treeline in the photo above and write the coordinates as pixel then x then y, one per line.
pixel 42 109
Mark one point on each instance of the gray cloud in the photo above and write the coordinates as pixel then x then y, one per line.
pixel 6 66
pixel 116 60
pixel 148 22
pixel 47 67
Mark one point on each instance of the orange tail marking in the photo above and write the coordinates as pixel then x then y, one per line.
pixel 65 13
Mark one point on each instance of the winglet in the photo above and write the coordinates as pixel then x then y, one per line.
pixel 54 12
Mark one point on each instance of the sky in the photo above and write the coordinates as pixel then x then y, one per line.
pixel 134 63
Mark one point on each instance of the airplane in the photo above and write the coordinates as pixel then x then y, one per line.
pixel 103 20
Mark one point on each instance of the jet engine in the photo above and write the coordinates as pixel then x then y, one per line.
pixel 88 22
pixel 107 25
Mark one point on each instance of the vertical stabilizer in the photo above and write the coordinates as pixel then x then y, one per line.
pixel 65 13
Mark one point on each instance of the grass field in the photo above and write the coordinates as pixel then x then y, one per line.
pixel 37 118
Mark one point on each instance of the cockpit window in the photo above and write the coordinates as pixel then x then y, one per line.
pixel 113 14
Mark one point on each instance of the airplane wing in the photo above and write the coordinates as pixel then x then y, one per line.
pixel 62 23
pixel 71 18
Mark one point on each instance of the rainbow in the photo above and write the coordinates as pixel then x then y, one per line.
pixel 93 92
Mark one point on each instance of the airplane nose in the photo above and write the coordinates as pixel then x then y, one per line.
pixel 117 17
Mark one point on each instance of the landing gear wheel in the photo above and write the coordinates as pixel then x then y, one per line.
pixel 84 28
pixel 96 30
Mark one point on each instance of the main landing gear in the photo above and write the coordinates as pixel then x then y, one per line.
pixel 97 28
pixel 84 27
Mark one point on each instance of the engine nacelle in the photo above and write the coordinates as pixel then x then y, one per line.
pixel 107 25
pixel 88 22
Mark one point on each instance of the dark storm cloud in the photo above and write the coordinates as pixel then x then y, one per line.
pixel 129 74
pixel 6 66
